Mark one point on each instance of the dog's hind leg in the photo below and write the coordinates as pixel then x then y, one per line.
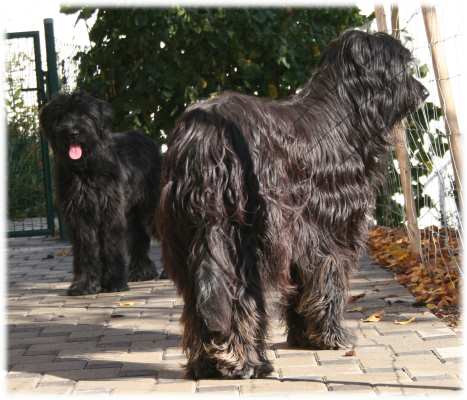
pixel 225 327
pixel 141 267
pixel 315 313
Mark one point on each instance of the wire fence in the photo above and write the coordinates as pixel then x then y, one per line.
pixel 434 277
pixel 26 192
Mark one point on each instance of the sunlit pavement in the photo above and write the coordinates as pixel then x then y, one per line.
pixel 129 342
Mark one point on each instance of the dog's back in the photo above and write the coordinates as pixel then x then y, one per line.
pixel 139 152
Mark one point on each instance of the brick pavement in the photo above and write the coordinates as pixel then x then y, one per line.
pixel 129 342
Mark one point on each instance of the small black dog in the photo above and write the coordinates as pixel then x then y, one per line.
pixel 107 187
pixel 259 193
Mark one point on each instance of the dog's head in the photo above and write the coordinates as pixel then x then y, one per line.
pixel 76 125
pixel 374 74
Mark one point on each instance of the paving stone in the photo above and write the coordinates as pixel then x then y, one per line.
pixel 282 387
pixel 430 334
pixel 50 366
pixel 309 360
pixel 103 364
pixel 360 388
pixel 19 360
pixel 185 387
pixel 99 373
pixel 26 384
pixel 54 348
pixel 414 344
pixel 219 389
pixel 101 392
pixel 51 379
pixel 449 353
pixel 97 345
pixel 414 360
pixel 54 389
pixel 320 370
pixel 37 340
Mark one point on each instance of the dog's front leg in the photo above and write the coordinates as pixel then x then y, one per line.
pixel 87 267
pixel 114 254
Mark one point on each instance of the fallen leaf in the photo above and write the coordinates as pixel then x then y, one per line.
pixel 63 252
pixel 126 303
pixel 406 322
pixel 350 353
pixel 355 309
pixel 376 317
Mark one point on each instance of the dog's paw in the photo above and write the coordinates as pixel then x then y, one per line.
pixel 81 288
pixel 328 340
pixel 248 371
pixel 296 338
pixel 143 271
pixel 208 369
pixel 202 368
pixel 337 338
pixel 263 370
pixel 115 285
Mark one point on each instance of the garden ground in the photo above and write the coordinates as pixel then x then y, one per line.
pixel 129 342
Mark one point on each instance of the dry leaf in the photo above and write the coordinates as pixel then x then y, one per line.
pixel 350 353
pixel 355 309
pixel 435 281
pixel 406 322
pixel 126 303
pixel 63 252
pixel 376 317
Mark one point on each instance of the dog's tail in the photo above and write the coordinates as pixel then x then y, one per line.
pixel 207 210
pixel 213 283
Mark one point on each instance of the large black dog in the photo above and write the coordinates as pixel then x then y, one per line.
pixel 259 193
pixel 107 187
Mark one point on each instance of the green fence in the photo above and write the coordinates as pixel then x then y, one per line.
pixel 30 201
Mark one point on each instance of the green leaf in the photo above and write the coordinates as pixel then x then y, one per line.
pixel 203 47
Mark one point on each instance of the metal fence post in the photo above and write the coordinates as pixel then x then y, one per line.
pixel 53 86
pixel 41 99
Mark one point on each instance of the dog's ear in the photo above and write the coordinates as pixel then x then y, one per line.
pixel 352 48
pixel 357 48
pixel 360 64
pixel 100 110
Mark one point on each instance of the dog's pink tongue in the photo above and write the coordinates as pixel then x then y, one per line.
pixel 75 152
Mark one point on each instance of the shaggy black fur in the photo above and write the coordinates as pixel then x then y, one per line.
pixel 259 193
pixel 107 187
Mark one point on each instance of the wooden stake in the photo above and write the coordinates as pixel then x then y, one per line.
pixel 445 94
pixel 381 18
pixel 395 21
pixel 401 148
pixel 406 183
